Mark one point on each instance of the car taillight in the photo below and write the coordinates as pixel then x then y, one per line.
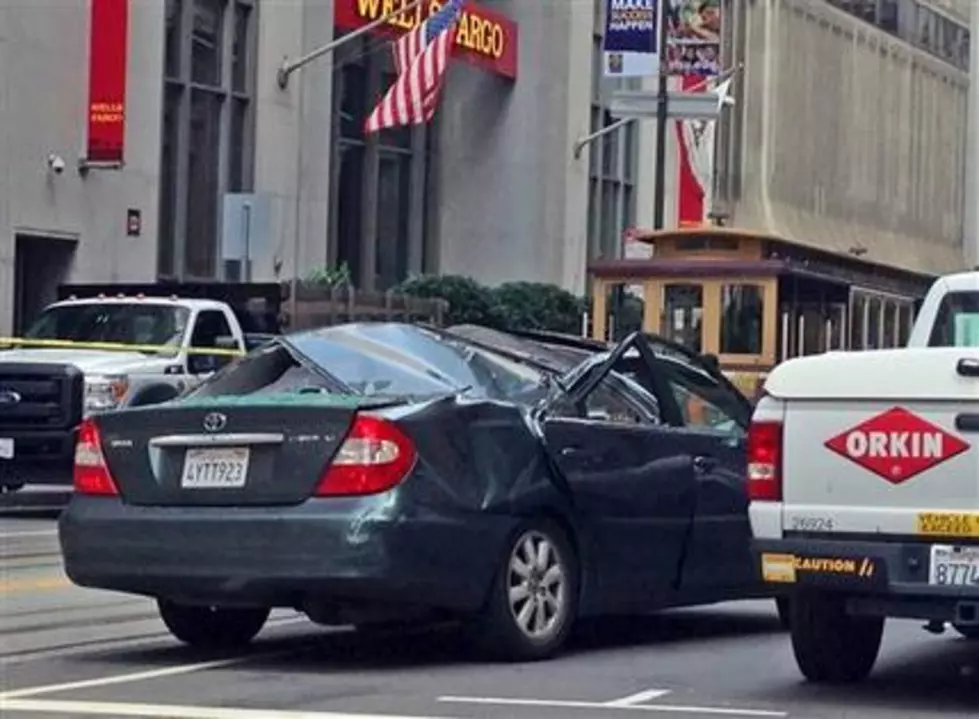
pixel 374 457
pixel 765 461
pixel 91 474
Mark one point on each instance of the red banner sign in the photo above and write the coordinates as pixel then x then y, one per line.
pixel 109 36
pixel 483 37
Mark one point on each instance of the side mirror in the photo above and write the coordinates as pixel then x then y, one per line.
pixel 713 364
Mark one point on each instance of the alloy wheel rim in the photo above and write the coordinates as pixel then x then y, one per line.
pixel 537 586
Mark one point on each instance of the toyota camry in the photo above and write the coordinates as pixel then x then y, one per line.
pixel 382 472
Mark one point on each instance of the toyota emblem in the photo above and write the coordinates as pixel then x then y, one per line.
pixel 215 421
pixel 9 397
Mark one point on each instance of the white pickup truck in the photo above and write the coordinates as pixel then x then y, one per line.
pixel 46 388
pixel 863 474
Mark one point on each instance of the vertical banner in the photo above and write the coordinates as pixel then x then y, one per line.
pixel 108 42
pixel 694 33
pixel 631 38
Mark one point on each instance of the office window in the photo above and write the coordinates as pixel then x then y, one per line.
pixel 379 181
pixel 207 144
pixel 920 25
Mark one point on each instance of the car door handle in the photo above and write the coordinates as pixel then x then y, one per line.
pixel 968 367
pixel 704 464
pixel 572 451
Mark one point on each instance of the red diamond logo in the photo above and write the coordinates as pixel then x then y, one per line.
pixel 897 445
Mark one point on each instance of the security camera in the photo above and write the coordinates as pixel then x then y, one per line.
pixel 56 163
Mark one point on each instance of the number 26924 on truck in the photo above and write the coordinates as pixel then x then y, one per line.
pixel 863 475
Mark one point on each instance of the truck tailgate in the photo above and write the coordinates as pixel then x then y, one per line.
pixel 880 466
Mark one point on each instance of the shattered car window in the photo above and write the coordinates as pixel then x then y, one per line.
pixel 379 360
pixel 270 370
pixel 401 360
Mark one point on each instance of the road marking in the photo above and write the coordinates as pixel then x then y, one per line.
pixel 10 586
pixel 168 711
pixel 132 677
pixel 638 698
pixel 661 708
pixel 29 533
pixel 161 640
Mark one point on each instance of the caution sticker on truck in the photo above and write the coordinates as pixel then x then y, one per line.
pixel 791 568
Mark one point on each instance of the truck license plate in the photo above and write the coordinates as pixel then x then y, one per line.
pixel 954 566
pixel 224 468
pixel 6 448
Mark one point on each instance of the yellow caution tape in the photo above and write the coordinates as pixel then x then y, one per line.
pixel 7 342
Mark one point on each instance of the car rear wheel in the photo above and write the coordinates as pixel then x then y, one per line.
pixel 534 599
pixel 830 645
pixel 212 627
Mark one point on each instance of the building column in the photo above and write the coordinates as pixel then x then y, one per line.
pixel 970 248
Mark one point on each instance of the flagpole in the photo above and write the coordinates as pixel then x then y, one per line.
pixel 287 67
pixel 659 198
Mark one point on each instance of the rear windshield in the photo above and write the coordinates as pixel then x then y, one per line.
pixel 957 321
pixel 383 361
pixel 398 360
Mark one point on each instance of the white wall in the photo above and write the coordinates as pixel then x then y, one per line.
pixel 512 198
pixel 293 133
pixel 852 138
pixel 43 109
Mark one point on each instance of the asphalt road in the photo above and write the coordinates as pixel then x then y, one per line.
pixel 66 651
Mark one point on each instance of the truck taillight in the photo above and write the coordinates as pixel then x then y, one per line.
pixel 375 457
pixel 765 462
pixel 91 474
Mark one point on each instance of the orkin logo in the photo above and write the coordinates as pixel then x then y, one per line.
pixel 897 445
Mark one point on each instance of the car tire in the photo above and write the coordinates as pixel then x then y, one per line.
pixel 969 631
pixel 212 627
pixel 783 608
pixel 526 590
pixel 830 645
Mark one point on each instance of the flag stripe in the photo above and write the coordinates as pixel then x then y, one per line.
pixel 420 59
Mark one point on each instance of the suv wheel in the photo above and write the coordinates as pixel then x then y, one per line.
pixel 212 627
pixel 534 598
pixel 830 645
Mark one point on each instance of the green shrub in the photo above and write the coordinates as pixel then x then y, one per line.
pixel 469 301
pixel 512 305
pixel 539 306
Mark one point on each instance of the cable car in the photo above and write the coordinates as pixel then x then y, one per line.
pixel 752 300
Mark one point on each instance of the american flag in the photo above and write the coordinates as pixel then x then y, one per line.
pixel 420 59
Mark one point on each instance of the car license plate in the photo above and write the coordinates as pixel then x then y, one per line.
pixel 224 468
pixel 6 448
pixel 954 566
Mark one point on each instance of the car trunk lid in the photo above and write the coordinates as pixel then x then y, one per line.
pixel 227 450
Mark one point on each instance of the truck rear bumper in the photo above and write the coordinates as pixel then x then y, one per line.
pixel 879 578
